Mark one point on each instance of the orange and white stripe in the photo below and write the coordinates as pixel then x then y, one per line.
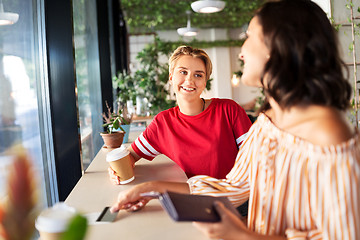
pixel 295 189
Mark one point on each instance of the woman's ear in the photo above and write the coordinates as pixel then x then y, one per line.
pixel 170 78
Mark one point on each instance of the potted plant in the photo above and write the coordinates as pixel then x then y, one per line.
pixel 124 83
pixel 114 134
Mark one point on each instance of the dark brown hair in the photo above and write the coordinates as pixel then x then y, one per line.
pixel 304 66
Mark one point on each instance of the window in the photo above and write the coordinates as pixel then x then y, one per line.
pixel 24 113
pixel 87 78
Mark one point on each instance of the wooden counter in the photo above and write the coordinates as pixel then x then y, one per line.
pixel 94 191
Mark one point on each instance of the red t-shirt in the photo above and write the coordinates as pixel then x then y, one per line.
pixel 205 144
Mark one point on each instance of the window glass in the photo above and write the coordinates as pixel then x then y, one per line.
pixel 23 102
pixel 87 78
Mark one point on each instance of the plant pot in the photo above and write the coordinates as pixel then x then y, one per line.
pixel 113 140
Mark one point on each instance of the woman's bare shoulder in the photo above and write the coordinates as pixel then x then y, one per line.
pixel 331 128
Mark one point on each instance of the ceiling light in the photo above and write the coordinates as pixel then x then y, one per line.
pixel 7 18
pixel 208 6
pixel 187 31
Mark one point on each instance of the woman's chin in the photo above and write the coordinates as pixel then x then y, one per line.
pixel 187 96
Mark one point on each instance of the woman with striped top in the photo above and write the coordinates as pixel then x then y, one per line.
pixel 299 166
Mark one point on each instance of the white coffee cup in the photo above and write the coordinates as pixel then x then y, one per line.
pixel 53 222
pixel 120 162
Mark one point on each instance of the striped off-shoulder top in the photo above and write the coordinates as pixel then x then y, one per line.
pixel 295 188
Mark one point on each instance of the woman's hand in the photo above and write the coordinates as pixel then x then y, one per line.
pixel 131 200
pixel 230 227
pixel 115 179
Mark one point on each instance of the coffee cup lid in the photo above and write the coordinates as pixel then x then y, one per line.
pixel 55 219
pixel 117 153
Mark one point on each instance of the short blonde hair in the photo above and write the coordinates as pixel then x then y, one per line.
pixel 194 52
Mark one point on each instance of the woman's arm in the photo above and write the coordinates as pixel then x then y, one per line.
pixel 132 200
pixel 133 155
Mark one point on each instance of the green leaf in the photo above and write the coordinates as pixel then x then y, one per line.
pixel 116 123
pixel 76 229
pixel 351 46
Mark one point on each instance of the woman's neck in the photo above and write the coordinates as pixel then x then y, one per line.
pixel 191 108
pixel 320 125
pixel 293 116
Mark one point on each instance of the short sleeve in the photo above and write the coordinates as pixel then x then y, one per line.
pixel 241 123
pixel 144 143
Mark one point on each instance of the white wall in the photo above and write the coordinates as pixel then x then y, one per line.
pixel 225 61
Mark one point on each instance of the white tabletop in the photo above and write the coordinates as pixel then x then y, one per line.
pixel 94 191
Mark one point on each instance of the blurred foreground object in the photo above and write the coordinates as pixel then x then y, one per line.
pixel 61 222
pixel 17 215
pixel 76 229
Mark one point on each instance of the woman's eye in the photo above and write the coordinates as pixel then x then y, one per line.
pixel 183 72
pixel 198 75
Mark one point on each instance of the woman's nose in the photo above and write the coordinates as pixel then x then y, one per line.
pixel 188 78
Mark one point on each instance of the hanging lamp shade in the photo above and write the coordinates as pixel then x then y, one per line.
pixel 7 18
pixel 208 6
pixel 187 31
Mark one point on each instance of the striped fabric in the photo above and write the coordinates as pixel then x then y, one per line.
pixel 240 139
pixel 145 147
pixel 295 189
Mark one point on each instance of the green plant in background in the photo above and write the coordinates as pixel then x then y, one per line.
pixel 113 120
pixel 239 73
pixel 352 51
pixel 149 82
pixel 125 85
pixel 170 15
pixel 354 118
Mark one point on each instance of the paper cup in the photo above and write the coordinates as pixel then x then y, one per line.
pixel 120 162
pixel 53 222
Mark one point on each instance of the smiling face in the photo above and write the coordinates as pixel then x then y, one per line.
pixel 254 54
pixel 188 78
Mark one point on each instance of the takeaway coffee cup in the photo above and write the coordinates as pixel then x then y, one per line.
pixel 120 162
pixel 53 222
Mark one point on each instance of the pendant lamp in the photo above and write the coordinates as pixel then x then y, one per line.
pixel 7 18
pixel 187 31
pixel 208 6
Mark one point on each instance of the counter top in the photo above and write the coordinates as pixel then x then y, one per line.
pixel 94 191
